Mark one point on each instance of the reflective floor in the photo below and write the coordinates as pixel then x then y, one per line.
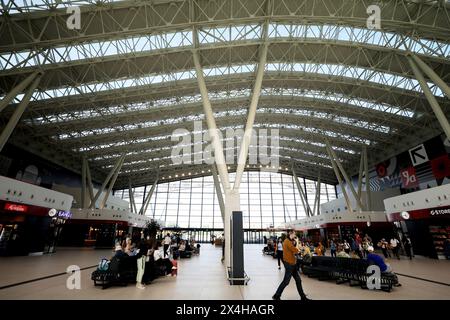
pixel 203 277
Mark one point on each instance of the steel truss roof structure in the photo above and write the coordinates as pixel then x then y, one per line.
pixel 126 80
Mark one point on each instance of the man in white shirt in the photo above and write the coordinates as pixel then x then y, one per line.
pixel 167 242
pixel 394 246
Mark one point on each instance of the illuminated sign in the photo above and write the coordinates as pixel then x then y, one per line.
pixel 16 207
pixel 64 214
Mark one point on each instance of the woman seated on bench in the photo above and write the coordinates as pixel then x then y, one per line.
pixel 161 260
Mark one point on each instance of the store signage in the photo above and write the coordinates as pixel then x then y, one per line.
pixel 60 214
pixel 16 207
pixel 64 214
pixel 436 212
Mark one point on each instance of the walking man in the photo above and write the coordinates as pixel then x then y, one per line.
pixel 291 268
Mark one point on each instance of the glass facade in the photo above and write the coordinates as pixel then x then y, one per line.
pixel 268 199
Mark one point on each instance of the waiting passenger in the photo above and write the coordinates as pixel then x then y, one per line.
pixel 167 242
pixel 161 260
pixel 394 246
pixel 141 259
pixel 341 252
pixel 129 248
pixel 407 246
pixel 119 252
pixel 346 247
pixel 279 252
pixel 333 248
pixel 379 261
pixel 318 250
pixel 384 248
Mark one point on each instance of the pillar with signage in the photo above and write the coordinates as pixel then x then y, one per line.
pixel 236 272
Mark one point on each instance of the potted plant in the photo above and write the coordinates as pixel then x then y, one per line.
pixel 151 229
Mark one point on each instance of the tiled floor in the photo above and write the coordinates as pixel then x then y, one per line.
pixel 203 277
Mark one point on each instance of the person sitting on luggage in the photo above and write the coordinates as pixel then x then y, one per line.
pixel 379 261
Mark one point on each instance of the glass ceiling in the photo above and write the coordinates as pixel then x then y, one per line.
pixel 225 140
pixel 192 154
pixel 139 45
pixel 345 137
pixel 355 73
pixel 216 96
pixel 242 110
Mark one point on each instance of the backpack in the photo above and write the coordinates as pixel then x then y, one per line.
pixel 103 265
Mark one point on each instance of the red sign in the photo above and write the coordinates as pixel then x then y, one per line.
pixel 441 167
pixel 16 207
pixel 443 212
pixel 409 178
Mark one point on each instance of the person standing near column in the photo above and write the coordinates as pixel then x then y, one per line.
pixel 291 269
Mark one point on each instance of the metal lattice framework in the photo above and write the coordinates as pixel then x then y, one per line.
pixel 123 82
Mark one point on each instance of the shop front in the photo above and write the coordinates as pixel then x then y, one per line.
pixel 97 234
pixel 428 229
pixel 29 229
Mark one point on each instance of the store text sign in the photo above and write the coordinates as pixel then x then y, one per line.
pixel 16 207
pixel 437 212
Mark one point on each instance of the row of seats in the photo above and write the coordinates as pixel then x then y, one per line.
pixel 346 270
pixel 123 270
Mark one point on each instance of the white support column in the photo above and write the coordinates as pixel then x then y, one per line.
pixel 305 203
pixel 18 112
pixel 149 196
pixel 432 75
pixel 83 183
pixel 367 181
pixel 218 191
pixel 90 186
pixel 360 175
pixel 113 181
pixel 211 122
pixel 243 151
pixel 346 177
pixel 16 90
pixel 338 176
pixel 131 197
pixel 317 198
pixel 440 116
pixel 231 196
pixel 105 183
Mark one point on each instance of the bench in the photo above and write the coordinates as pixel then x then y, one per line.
pixel 123 271
pixel 349 270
